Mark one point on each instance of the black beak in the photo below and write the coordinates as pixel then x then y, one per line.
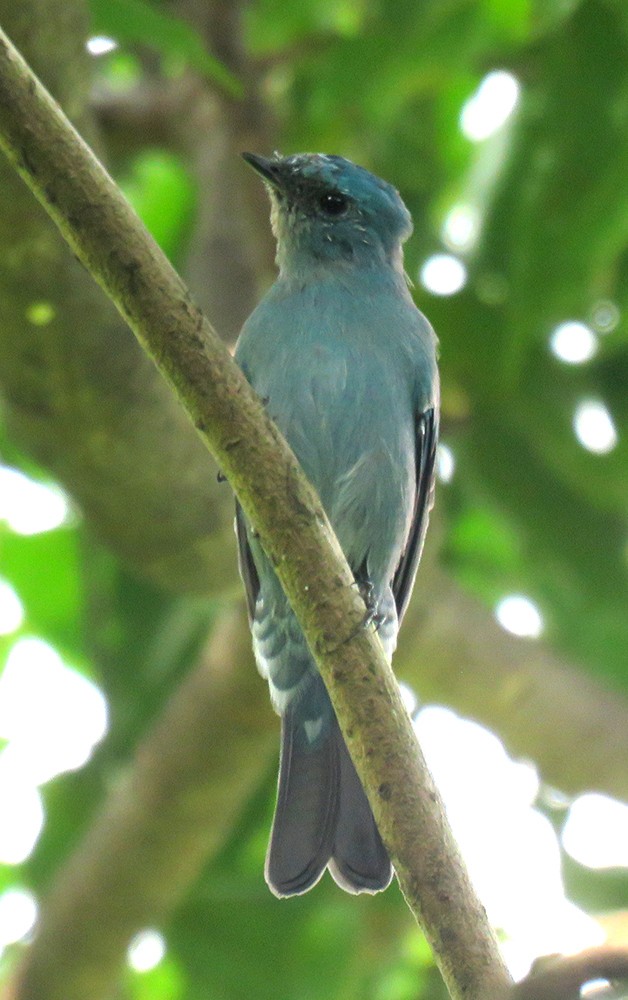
pixel 268 169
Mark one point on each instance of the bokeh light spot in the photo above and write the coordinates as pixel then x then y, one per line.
pixel 490 106
pixel 520 616
pixel 40 313
pixel 408 697
pixel 22 814
pixel 445 463
pixel 443 274
pixel 594 427
pixel 573 343
pixel 29 507
pixel 461 227
pixel 100 45
pixel 596 831
pixel 146 951
pixel 18 913
pixel 605 316
pixel 11 610
pixel 51 715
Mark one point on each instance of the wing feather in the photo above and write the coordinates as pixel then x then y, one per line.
pixel 248 571
pixel 426 435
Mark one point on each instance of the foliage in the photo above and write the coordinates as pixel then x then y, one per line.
pixel 139 22
pixel 529 509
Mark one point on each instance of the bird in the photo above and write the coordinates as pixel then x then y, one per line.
pixel 346 366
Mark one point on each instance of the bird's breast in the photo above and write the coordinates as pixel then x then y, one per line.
pixel 350 422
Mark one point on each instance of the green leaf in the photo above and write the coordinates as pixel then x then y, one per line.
pixel 162 193
pixel 165 982
pixel 44 570
pixel 138 21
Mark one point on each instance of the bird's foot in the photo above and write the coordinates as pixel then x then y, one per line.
pixel 373 615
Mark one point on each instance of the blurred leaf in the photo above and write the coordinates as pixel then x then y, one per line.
pixel 70 802
pixel 165 982
pixel 139 21
pixel 548 14
pixel 44 570
pixel 595 890
pixel 486 550
pixel 121 70
pixel 322 945
pixel 273 25
pixel 161 192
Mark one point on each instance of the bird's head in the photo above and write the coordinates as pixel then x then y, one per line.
pixel 327 210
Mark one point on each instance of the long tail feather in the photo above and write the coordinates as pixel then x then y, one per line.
pixel 360 862
pixel 322 817
pixel 307 806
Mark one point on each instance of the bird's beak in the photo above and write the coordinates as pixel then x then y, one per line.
pixel 269 169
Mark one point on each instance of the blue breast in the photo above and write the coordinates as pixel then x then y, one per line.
pixel 344 374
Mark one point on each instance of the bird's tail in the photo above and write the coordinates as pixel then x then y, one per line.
pixel 322 817
pixel 359 861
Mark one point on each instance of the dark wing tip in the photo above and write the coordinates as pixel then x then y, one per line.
pixel 426 440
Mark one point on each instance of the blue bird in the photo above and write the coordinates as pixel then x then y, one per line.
pixel 346 364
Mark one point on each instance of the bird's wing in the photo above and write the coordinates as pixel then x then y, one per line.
pixel 426 434
pixel 248 571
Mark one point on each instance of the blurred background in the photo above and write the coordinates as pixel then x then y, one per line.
pixel 138 751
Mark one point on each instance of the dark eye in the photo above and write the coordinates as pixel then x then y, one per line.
pixel 334 204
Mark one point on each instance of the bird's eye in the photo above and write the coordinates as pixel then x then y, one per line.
pixel 334 204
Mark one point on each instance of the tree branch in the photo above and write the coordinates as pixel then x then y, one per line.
pixel 192 775
pixel 561 977
pixel 78 392
pixel 104 233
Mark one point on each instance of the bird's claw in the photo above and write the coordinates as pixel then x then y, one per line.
pixel 373 615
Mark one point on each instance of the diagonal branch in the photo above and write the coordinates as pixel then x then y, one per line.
pixel 105 234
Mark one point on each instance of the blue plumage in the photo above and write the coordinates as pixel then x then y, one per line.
pixel 347 366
